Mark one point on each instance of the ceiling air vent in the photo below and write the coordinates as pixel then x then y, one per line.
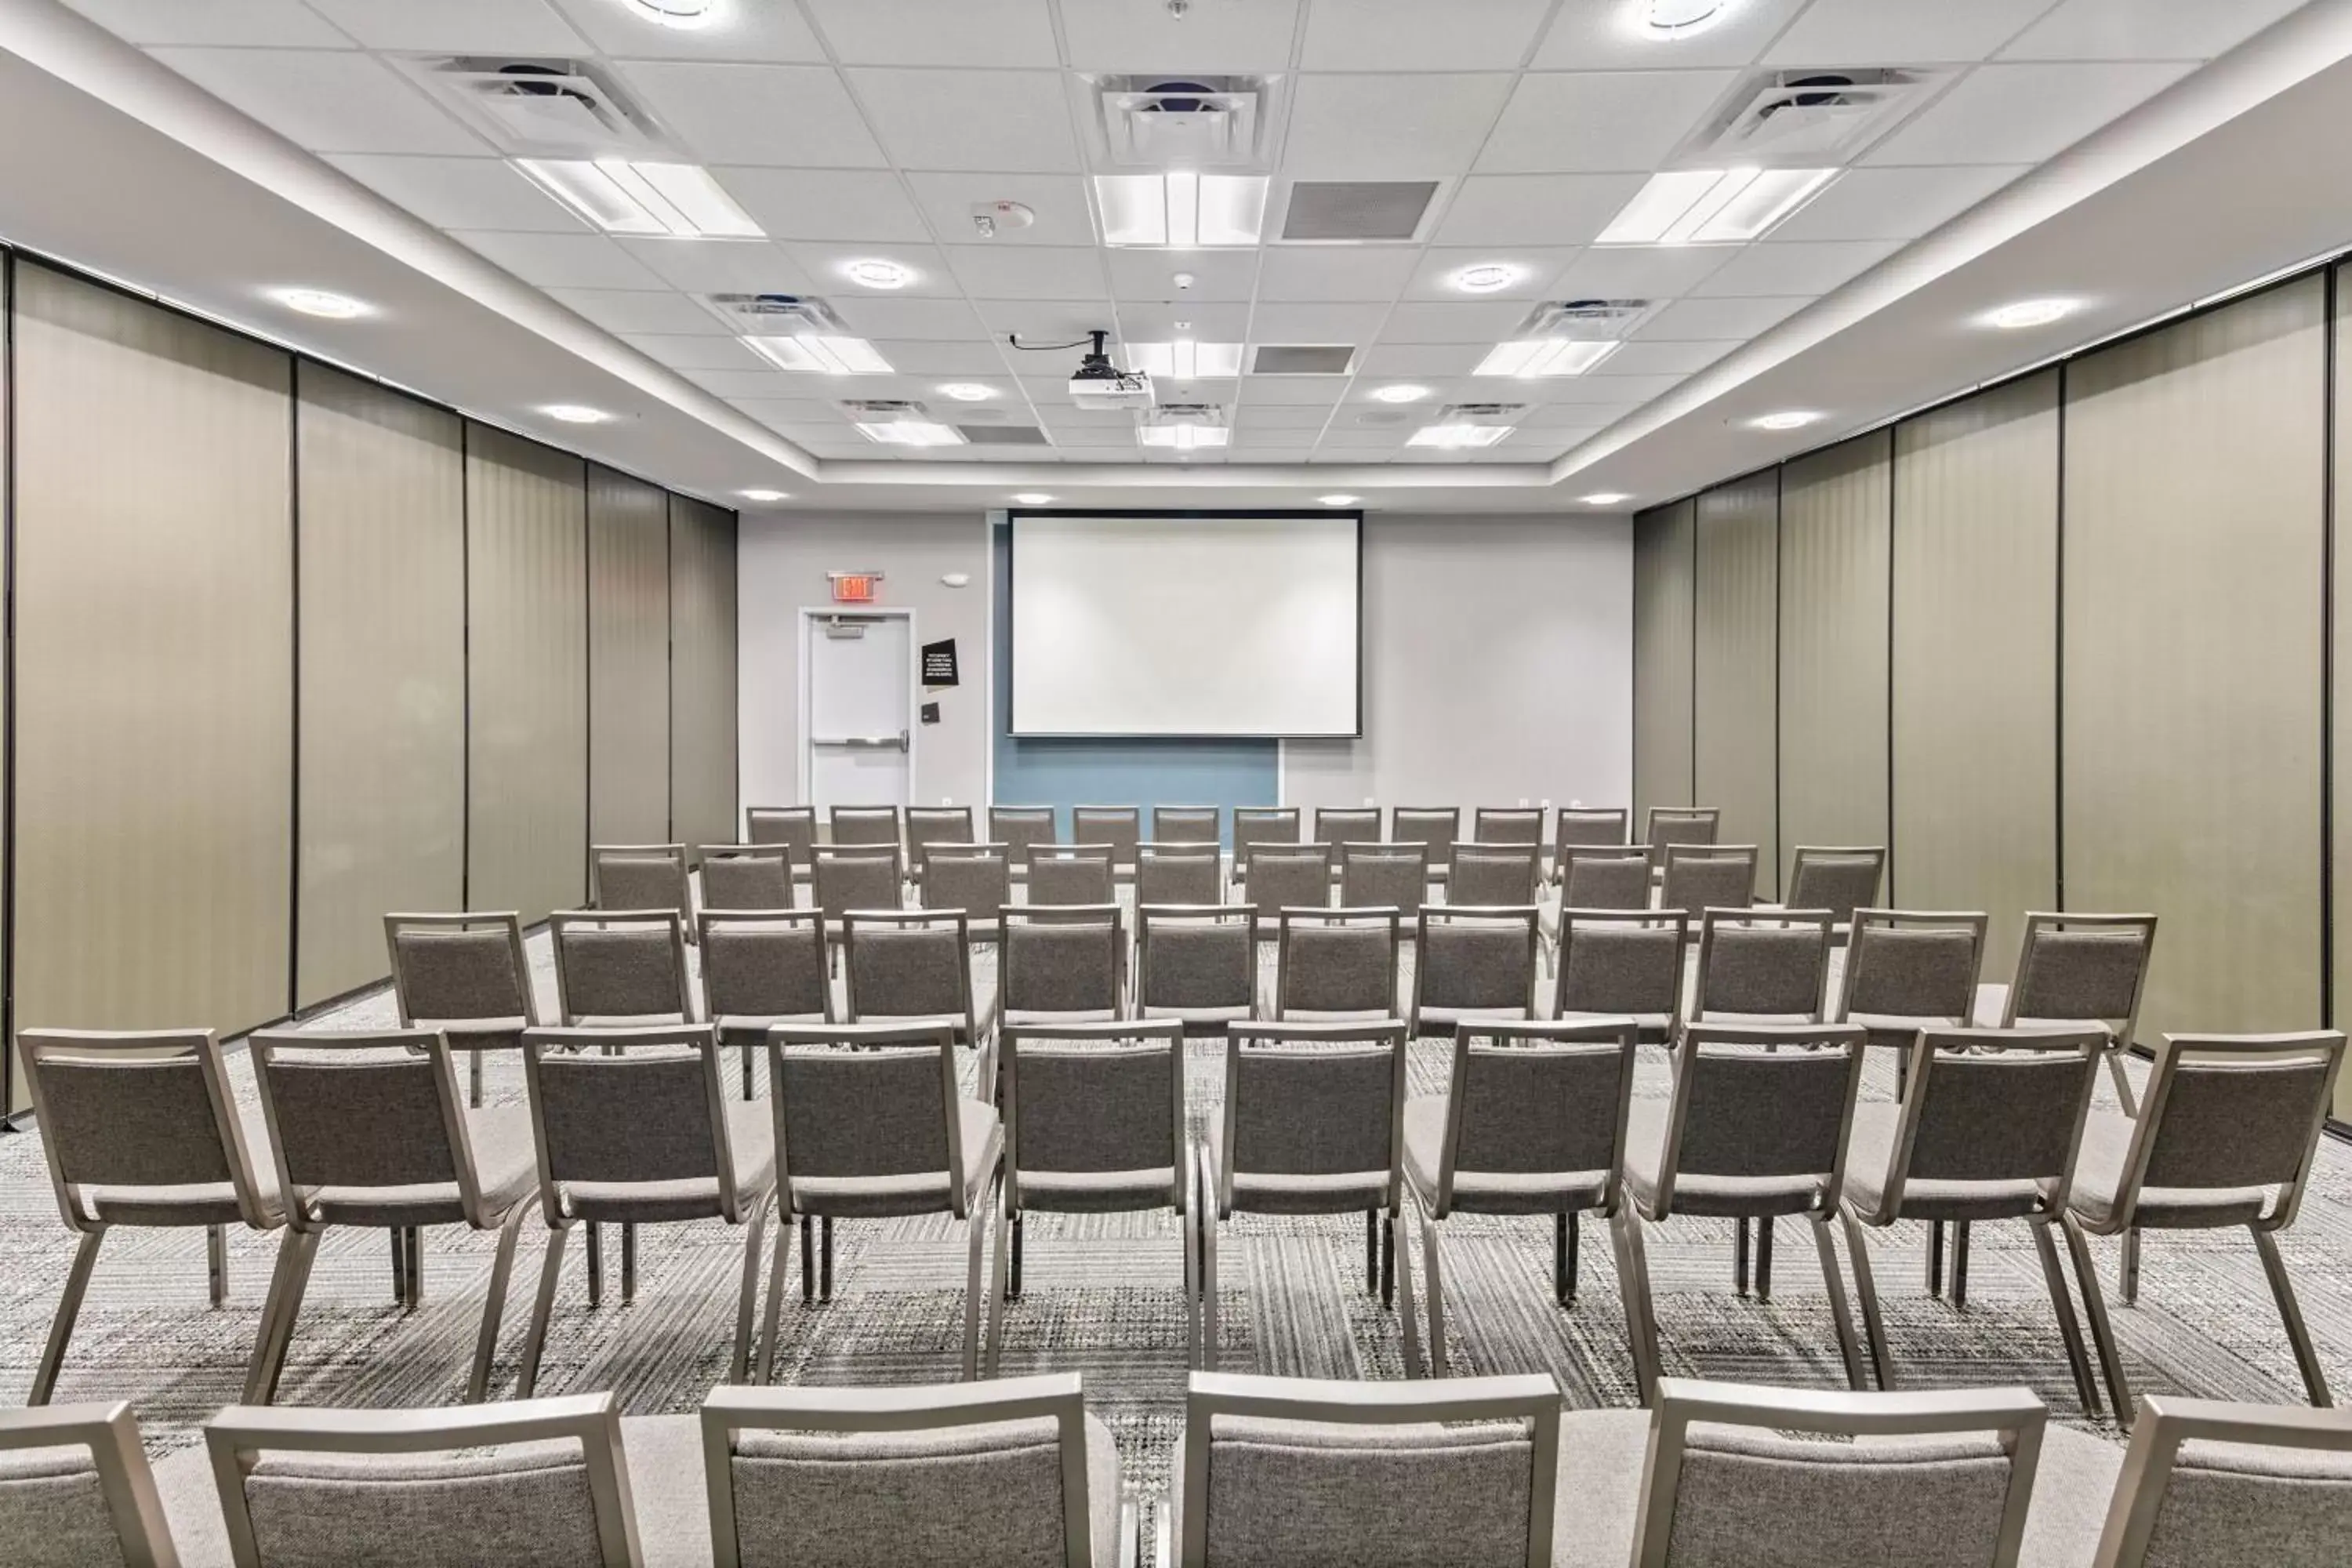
pixel 881 408
pixel 1479 413
pixel 1813 116
pixel 541 107
pixel 1303 359
pixel 1004 435
pixel 1586 319
pixel 1355 211
pixel 1184 123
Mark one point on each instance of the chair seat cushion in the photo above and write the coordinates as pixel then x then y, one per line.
pixel 1870 1158
pixel 1718 1196
pixel 2073 1484
pixel 1600 1492
pixel 198 1203
pixel 1260 1193
pixel 1100 1192
pixel 752 1134
pixel 919 1191
pixel 2099 1178
pixel 505 1163
pixel 1488 1192
pixel 53 1511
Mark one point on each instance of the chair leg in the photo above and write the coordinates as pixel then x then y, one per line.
pixel 628 1265
pixel 474 1091
pixel 550 1271
pixel 295 1256
pixel 772 1325
pixel 1739 1257
pixel 1959 1266
pixel 1188 1225
pixel 976 1228
pixel 61 1326
pixel 998 1288
pixel 1371 1252
pixel 1634 1285
pixel 217 1263
pixel 747 1304
pixel 399 1236
pixel 1764 1258
pixel 595 1264
pixel 415 1254
pixel 1208 1282
pixel 2307 1359
pixel 1865 1285
pixel 808 1260
pixel 747 1071
pixel 1936 1257
pixel 2122 1079
pixel 494 1304
pixel 1013 1276
pixel 2102 1332
pixel 1431 1266
pixel 1840 1312
pixel 2078 1359
pixel 1563 1258
pixel 825 1260
pixel 2129 1283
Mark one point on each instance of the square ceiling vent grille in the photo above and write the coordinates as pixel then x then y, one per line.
pixel 1302 359
pixel 1004 435
pixel 1355 211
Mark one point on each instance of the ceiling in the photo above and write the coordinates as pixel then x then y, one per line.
pixel 857 129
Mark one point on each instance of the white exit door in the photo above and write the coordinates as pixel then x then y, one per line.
pixel 859 746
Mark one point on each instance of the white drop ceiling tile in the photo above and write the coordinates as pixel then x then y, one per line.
pixel 1300 322
pixel 1059 202
pixel 2145 30
pixel 1608 391
pixel 1483 323
pixel 873 316
pixel 1390 127
pixel 1641 271
pixel 1415 36
pixel 754 31
pixel 2024 113
pixel 1795 269
pixel 274 24
pixel 1007 404
pixel 1333 272
pixel 1615 35
pixel 1894 204
pixel 562 260
pixel 825 203
pixel 1278 454
pixel 1064 416
pixel 326 101
pixel 461 193
pixel 1294 391
pixel 690 352
pixel 966 360
pixel 938 32
pixel 1535 209
pixel 721 266
pixel 826 263
pixel 1104 438
pixel 1154 321
pixel 1222 276
pixel 788 116
pixel 1901 31
pixel 641 311
pixel 1026 272
pixel 1702 321
pixel 1661 358
pixel 1417 362
pixel 467 26
pixel 733 384
pixel 1016 121
pixel 789 411
pixel 1537 267
pixel 1047 321
pixel 1599 122
pixel 1142 36
pixel 1565 417
pixel 1259 413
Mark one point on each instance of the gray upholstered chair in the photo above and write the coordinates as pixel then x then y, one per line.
pixel 974 877
pixel 1627 962
pixel 794 827
pixel 1280 1470
pixel 1491 874
pixel 1078 874
pixel 1507 825
pixel 1473 965
pixel 2082 969
pixel 1196 963
pixel 1256 824
pixel 855 877
pixel 746 877
pixel 2228 1136
pixel 1020 828
pixel 2216 1485
pixel 1987 1129
pixel 76 1489
pixel 141 1128
pixel 869 1124
pixel 1701 877
pixel 1758 971
pixel 618 967
pixel 1840 880
pixel 635 1126
pixel 762 967
pixel 1065 964
pixel 905 964
pixel 1604 877
pixel 930 824
pixel 1532 1123
pixel 1757 1127
pixel 1178 874
pixel 1120 827
pixel 1435 827
pixel 640 877
pixel 1667 825
pixel 1346 825
pixel 1011 1471
pixel 1093 1123
pixel 533 1483
pixel 868 824
pixel 1589 826
pixel 1188 824
pixel 1313 1123
pixel 465 975
pixel 1286 876
pixel 1335 965
pixel 1384 876
pixel 369 1129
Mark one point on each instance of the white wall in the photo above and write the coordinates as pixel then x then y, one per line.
pixel 782 561
pixel 1498 665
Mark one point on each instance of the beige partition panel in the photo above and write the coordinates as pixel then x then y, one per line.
pixel 1834 637
pixel 2341 689
pixel 14 1097
pixel 527 618
pixel 154 665
pixel 1734 701
pixel 628 661
pixel 1664 540
pixel 2192 602
pixel 1974 660
pixel 380 499
pixel 702 673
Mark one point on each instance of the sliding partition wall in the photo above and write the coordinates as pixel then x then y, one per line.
pixel 2060 645
pixel 292 650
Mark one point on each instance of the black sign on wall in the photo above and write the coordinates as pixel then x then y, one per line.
pixel 939 663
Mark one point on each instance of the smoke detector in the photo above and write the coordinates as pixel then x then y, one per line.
pixel 994 218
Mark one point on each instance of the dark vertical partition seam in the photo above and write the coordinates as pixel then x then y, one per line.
pixel 2058 667
pixel 294 687
pixel 9 1088
pixel 2327 652
pixel 466 663
pixel 1894 454
pixel 1780 586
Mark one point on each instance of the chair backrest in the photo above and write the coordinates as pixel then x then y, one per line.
pixel 76 1489
pixel 1019 828
pixel 1436 826
pixel 1723 1471
pixel 765 964
pixel 536 1483
pixel 857 876
pixel 1092 1099
pixel 453 968
pixel 132 1109
pixel 1070 960
pixel 747 876
pixel 1507 872
pixel 963 1473
pixel 2233 1111
pixel 620 963
pixel 1335 963
pixel 1187 823
pixel 1540 1098
pixel 1262 825
pixel 1681 825
pixel 1913 963
pixel 1507 825
pixel 2207 1484
pixel 1195 959
pixel 1604 877
pixel 907 964
pixel 638 876
pixel 867 825
pixel 1476 958
pixel 1178 874
pixel 1346 825
pixel 974 877
pixel 1622 960
pixel 1589 824
pixel 1762 1100
pixel 794 827
pixel 1992 1106
pixel 365 1108
pixel 1840 880
pixel 1375 876
pixel 1289 876
pixel 1118 826
pixel 615 1111
pixel 1279 1470
pixel 1775 966
pixel 1313 1100
pixel 1071 874
pixel 855 1101
pixel 1701 877
pixel 930 824
pixel 2074 967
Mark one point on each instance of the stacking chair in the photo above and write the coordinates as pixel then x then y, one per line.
pixel 1508 824
pixel 1433 827
pixel 640 877
pixel 1838 880
pixel 1988 1129
pixel 1178 874
pixel 1118 826
pixel 902 965
pixel 1066 964
pixel 2229 1486
pixel 1012 1471
pixel 1071 874
pixel 465 975
pixel 869 1125
pixel 1701 876
pixel 1532 1123
pixel 1187 823
pixel 1473 965
pixel 855 877
pixel 1304 1470
pixel 1604 877
pixel 1760 971
pixel 1384 877
pixel 1752 1131
pixel 794 827
pixel 746 877
pixel 868 824
pixel 930 824
pixel 1256 824
pixel 533 1481
pixel 1335 965
pixel 1287 877
pixel 760 968
pixel 1627 962
pixel 1490 874
pixel 2228 1136
pixel 369 1129
pixel 1591 827
pixel 1346 825
pixel 635 1126
pixel 2075 968
pixel 141 1128
pixel 1668 825
pixel 1908 970
pixel 1196 963
pixel 1313 1123
pixel 974 877
pixel 620 967
pixel 1020 828
pixel 1093 1123
pixel 76 1489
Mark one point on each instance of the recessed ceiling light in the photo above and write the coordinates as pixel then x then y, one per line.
pixel 910 433
pixel 2030 313
pixel 1607 498
pixel 1528 357
pixel 576 413
pixel 1713 207
pixel 1031 497
pixel 762 495
pixel 321 302
pixel 1459 435
pixel 1679 17
pixel 1185 360
pixel 967 392
pixel 1340 500
pixel 824 354
pixel 1487 276
pixel 876 272
pixel 677 13
pixel 1180 210
pixel 679 201
pixel 1401 392
pixel 1787 419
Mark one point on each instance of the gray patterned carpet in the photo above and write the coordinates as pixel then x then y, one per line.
pixel 1104 1296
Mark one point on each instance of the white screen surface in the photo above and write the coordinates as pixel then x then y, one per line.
pixel 1185 625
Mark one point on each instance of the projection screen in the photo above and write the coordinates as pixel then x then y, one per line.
pixel 1223 626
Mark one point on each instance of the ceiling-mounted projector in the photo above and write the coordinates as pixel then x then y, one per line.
pixel 1098 384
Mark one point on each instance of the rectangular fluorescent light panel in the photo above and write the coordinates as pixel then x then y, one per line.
pixel 910 433
pixel 1454 437
pixel 675 200
pixel 822 354
pixel 1529 357
pixel 1185 437
pixel 1712 206
pixel 1180 210
pixel 1185 360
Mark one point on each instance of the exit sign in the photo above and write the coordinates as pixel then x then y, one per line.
pixel 854 588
